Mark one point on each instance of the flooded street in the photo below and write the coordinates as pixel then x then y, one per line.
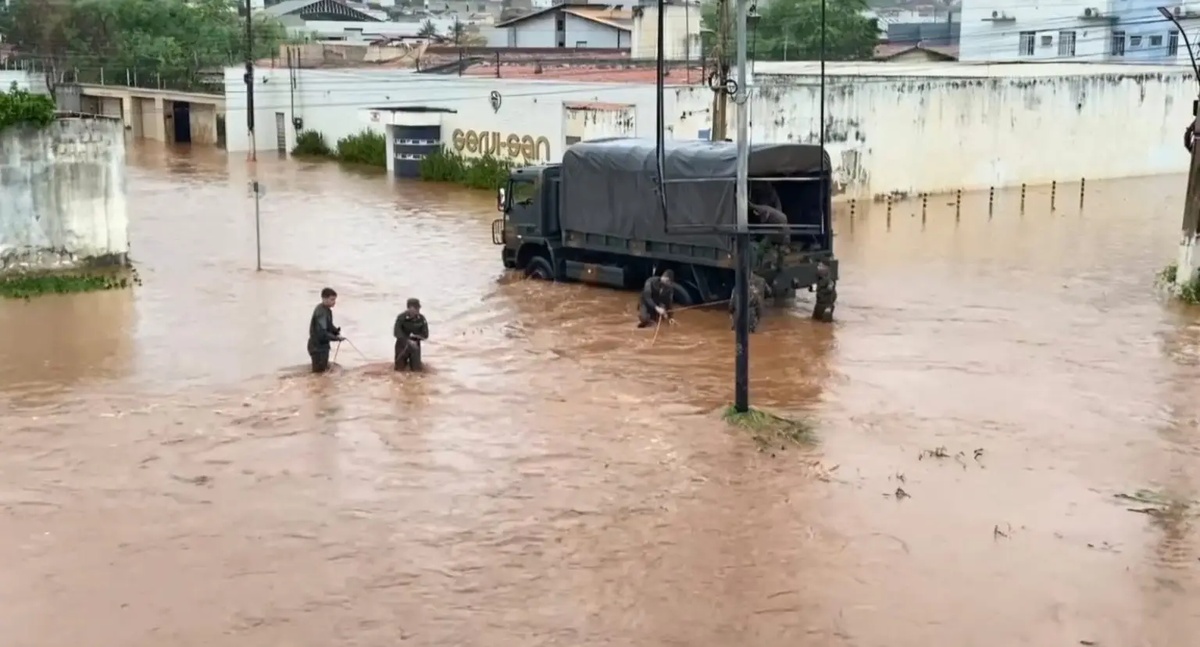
pixel 170 474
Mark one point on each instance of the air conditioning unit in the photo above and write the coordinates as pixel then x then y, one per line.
pixel 1090 13
pixel 996 14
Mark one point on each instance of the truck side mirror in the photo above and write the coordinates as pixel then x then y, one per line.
pixel 500 199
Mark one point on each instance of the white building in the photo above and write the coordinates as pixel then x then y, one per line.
pixel 973 126
pixel 1126 31
pixel 581 25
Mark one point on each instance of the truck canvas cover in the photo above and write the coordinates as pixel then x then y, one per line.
pixel 610 186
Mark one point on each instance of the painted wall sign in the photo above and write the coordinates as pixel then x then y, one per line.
pixel 512 145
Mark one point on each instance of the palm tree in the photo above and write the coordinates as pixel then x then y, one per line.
pixel 459 31
pixel 428 30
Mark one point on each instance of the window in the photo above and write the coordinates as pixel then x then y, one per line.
pixel 1135 41
pixel 523 192
pixel 581 43
pixel 1156 41
pixel 1118 44
pixel 1172 43
pixel 1066 43
pixel 1025 48
pixel 1047 40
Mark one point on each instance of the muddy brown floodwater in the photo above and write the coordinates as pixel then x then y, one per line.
pixel 170 475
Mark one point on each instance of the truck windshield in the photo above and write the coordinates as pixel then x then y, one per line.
pixel 522 191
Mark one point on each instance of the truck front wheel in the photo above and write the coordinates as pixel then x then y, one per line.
pixel 539 268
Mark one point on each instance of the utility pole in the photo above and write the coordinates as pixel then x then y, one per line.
pixel 250 82
pixel 1187 264
pixel 1185 268
pixel 741 401
pixel 721 58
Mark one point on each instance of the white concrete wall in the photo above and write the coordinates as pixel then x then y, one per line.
pixel 329 102
pixel 681 40
pixel 535 32
pixel 889 130
pixel 27 81
pixel 916 135
pixel 64 194
pixel 582 32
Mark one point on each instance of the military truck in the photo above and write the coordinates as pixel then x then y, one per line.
pixel 597 217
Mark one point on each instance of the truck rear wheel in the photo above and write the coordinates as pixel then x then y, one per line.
pixel 539 268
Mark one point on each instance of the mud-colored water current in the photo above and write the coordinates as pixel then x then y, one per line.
pixel 171 475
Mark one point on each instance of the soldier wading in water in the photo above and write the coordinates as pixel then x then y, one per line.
pixel 826 291
pixel 322 332
pixel 758 293
pixel 410 330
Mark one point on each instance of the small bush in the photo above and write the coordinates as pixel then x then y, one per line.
pixel 487 172
pixel 310 143
pixel 20 107
pixel 367 147
pixel 1188 291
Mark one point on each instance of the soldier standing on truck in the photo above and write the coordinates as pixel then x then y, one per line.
pixel 758 292
pixel 410 330
pixel 826 291
pixel 657 300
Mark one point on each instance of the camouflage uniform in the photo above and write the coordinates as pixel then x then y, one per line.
pixel 826 290
pixel 410 329
pixel 758 293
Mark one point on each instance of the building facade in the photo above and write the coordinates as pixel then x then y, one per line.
pixel 1125 31
pixel 890 128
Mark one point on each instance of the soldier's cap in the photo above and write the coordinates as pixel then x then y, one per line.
pixel 414 303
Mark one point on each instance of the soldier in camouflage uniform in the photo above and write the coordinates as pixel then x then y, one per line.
pixel 758 293
pixel 826 291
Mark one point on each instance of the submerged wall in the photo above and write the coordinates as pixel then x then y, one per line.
pixel 62 195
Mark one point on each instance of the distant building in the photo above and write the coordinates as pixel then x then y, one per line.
pixel 1116 31
pixel 582 25
pixel 570 25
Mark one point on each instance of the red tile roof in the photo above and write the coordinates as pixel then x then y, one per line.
pixel 590 73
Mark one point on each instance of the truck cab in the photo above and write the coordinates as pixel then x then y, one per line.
pixel 529 226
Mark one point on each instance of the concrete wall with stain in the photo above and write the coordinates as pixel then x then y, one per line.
pixel 584 121
pixel 927 135
pixel 64 194
pixel 889 128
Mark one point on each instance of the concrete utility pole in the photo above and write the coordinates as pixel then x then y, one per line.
pixel 1188 262
pixel 741 402
pixel 1186 265
pixel 721 57
pixel 250 81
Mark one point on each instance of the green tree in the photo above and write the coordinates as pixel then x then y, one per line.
pixel 790 30
pixel 428 30
pixel 167 41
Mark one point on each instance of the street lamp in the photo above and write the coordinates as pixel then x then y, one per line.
pixel 1166 13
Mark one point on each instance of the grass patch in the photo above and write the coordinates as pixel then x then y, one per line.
pixel 368 148
pixel 486 172
pixel 310 143
pixel 769 429
pixel 36 284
